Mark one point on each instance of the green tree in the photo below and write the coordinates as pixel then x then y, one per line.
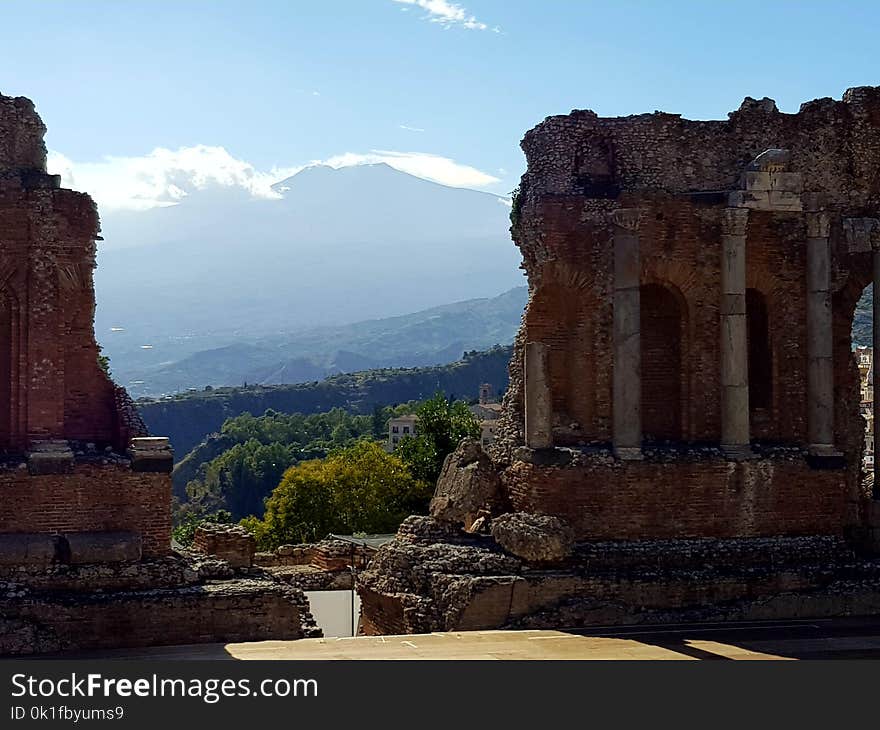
pixel 359 489
pixel 104 361
pixel 442 426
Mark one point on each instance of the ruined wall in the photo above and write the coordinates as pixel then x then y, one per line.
pixel 50 377
pixel 582 167
pixel 659 252
pixel 231 543
pixel 21 135
pixel 704 497
pixel 94 498
pixel 679 174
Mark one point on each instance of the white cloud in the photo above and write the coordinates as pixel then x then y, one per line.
pixel 448 14
pixel 164 177
pixel 443 170
pixel 410 129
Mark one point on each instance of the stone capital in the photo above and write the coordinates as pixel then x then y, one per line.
pixel 818 224
pixel 734 221
pixel 862 234
pixel 627 218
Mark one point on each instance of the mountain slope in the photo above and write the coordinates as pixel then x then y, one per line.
pixel 187 419
pixel 431 337
pixel 344 245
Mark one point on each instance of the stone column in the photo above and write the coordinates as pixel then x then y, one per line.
pixel 734 346
pixel 627 382
pixel 538 401
pixel 820 365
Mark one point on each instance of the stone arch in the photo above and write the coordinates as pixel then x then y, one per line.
pixel 664 357
pixel 778 413
pixel 565 314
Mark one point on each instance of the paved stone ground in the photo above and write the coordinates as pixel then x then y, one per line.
pixel 803 639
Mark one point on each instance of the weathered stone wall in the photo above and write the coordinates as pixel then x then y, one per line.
pixel 466 583
pixel 93 498
pixel 210 613
pixel 21 135
pixel 603 499
pixel 50 382
pixel 673 268
pixel 178 599
pixel 231 543
pixel 678 173
pixel 581 167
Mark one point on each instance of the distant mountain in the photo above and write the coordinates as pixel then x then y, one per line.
pixel 431 337
pixel 188 418
pixel 338 246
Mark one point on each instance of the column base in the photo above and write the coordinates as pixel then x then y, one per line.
pixel 738 452
pixel 628 453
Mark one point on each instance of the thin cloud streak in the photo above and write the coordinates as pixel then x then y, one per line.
pixel 447 14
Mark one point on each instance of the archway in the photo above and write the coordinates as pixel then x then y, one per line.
pixel 661 335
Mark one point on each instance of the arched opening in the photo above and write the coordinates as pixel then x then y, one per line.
pixel 861 328
pixel 661 334
pixel 760 355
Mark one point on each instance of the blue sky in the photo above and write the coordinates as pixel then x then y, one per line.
pixel 443 88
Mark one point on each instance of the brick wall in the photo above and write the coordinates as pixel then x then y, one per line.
pixel 93 498
pixel 608 500
pixel 231 543
pixel 50 384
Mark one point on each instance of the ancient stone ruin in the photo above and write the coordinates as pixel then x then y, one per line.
pixel 85 524
pixel 681 439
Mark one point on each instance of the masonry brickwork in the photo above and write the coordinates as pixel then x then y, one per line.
pixel 85 531
pixel 683 373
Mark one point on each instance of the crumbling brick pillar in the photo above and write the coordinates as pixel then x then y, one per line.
pixel 538 403
pixel 734 346
pixel 627 382
pixel 820 364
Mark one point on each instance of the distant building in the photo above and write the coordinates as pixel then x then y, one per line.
pixel 486 411
pixel 865 361
pixel 401 426
pixel 487 431
pixel 486 393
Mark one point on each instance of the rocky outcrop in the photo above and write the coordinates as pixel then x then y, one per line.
pixel 536 538
pixel 468 485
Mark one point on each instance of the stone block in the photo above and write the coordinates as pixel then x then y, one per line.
pixel 103 547
pixel 791 182
pixel 783 200
pixel 755 180
pixel 50 457
pixel 151 454
pixel 533 537
pixel 29 550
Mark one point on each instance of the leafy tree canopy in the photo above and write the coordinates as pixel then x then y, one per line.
pixel 441 427
pixel 359 489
